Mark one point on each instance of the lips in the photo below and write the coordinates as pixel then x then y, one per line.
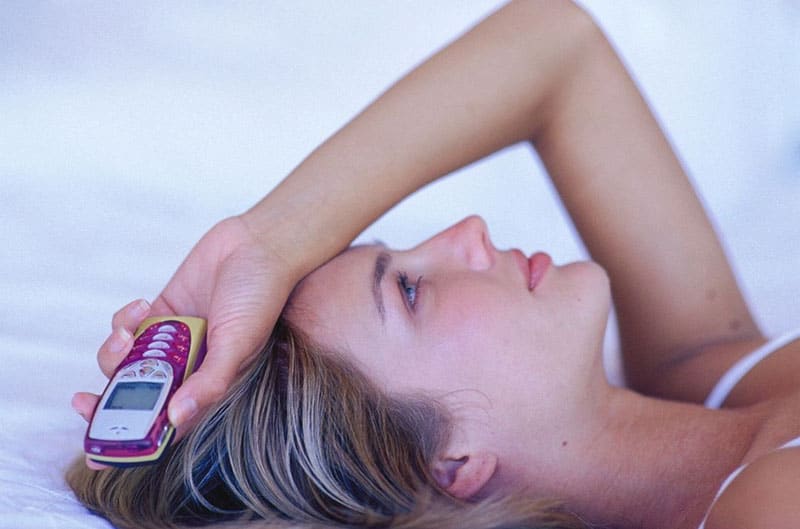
pixel 533 268
pixel 538 264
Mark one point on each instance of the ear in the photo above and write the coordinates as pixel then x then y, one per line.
pixel 466 476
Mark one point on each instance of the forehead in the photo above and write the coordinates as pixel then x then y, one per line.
pixel 335 304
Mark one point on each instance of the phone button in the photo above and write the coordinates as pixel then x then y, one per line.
pixel 167 328
pixel 158 345
pixel 163 336
pixel 154 353
pixel 119 430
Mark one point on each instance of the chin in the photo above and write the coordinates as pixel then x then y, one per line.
pixel 599 273
pixel 590 283
pixel 589 273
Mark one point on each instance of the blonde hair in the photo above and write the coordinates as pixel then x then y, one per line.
pixel 304 440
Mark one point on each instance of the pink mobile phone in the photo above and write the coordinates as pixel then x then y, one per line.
pixel 130 424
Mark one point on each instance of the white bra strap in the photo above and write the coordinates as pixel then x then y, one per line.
pixel 743 366
pixel 794 443
pixel 791 444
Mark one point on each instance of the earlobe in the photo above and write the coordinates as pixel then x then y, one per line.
pixel 464 477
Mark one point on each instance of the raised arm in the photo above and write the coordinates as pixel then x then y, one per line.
pixel 487 90
pixel 542 71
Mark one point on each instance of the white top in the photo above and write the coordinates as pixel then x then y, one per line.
pixel 726 384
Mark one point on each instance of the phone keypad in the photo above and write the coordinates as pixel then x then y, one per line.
pixel 169 341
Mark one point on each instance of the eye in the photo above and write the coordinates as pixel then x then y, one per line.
pixel 409 290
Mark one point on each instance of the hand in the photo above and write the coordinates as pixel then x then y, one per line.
pixel 234 281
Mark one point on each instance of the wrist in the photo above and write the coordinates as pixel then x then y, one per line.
pixel 286 239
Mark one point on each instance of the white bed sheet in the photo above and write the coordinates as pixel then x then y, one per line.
pixel 128 129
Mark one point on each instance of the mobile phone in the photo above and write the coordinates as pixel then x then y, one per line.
pixel 130 424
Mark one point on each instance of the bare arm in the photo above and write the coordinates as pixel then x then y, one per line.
pixel 481 93
pixel 538 71
pixel 639 216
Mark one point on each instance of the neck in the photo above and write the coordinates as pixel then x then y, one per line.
pixel 641 462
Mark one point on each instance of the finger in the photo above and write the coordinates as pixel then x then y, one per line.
pixel 119 343
pixel 196 396
pixel 94 465
pixel 84 404
pixel 131 315
pixel 114 350
pixel 230 348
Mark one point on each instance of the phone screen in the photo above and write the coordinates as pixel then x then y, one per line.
pixel 134 396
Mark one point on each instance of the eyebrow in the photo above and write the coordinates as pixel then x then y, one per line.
pixel 381 264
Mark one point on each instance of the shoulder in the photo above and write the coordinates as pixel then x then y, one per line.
pixel 765 494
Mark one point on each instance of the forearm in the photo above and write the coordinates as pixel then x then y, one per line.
pixel 482 93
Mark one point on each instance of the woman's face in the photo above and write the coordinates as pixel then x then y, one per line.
pixel 456 318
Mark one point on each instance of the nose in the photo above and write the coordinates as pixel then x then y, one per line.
pixel 468 241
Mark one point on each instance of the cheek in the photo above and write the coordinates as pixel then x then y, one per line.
pixel 470 315
pixel 480 335
pixel 503 329
pixel 495 315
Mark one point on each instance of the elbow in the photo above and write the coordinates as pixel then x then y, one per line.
pixel 565 20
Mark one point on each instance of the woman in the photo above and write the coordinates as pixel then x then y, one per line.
pixel 453 381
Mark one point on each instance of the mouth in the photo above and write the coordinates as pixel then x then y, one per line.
pixel 533 268
pixel 538 264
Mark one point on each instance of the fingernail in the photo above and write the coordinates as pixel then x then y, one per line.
pixel 182 411
pixel 119 340
pixel 141 308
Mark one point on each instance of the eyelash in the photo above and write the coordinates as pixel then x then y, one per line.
pixel 410 292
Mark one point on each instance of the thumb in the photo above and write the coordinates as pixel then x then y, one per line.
pixel 231 345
